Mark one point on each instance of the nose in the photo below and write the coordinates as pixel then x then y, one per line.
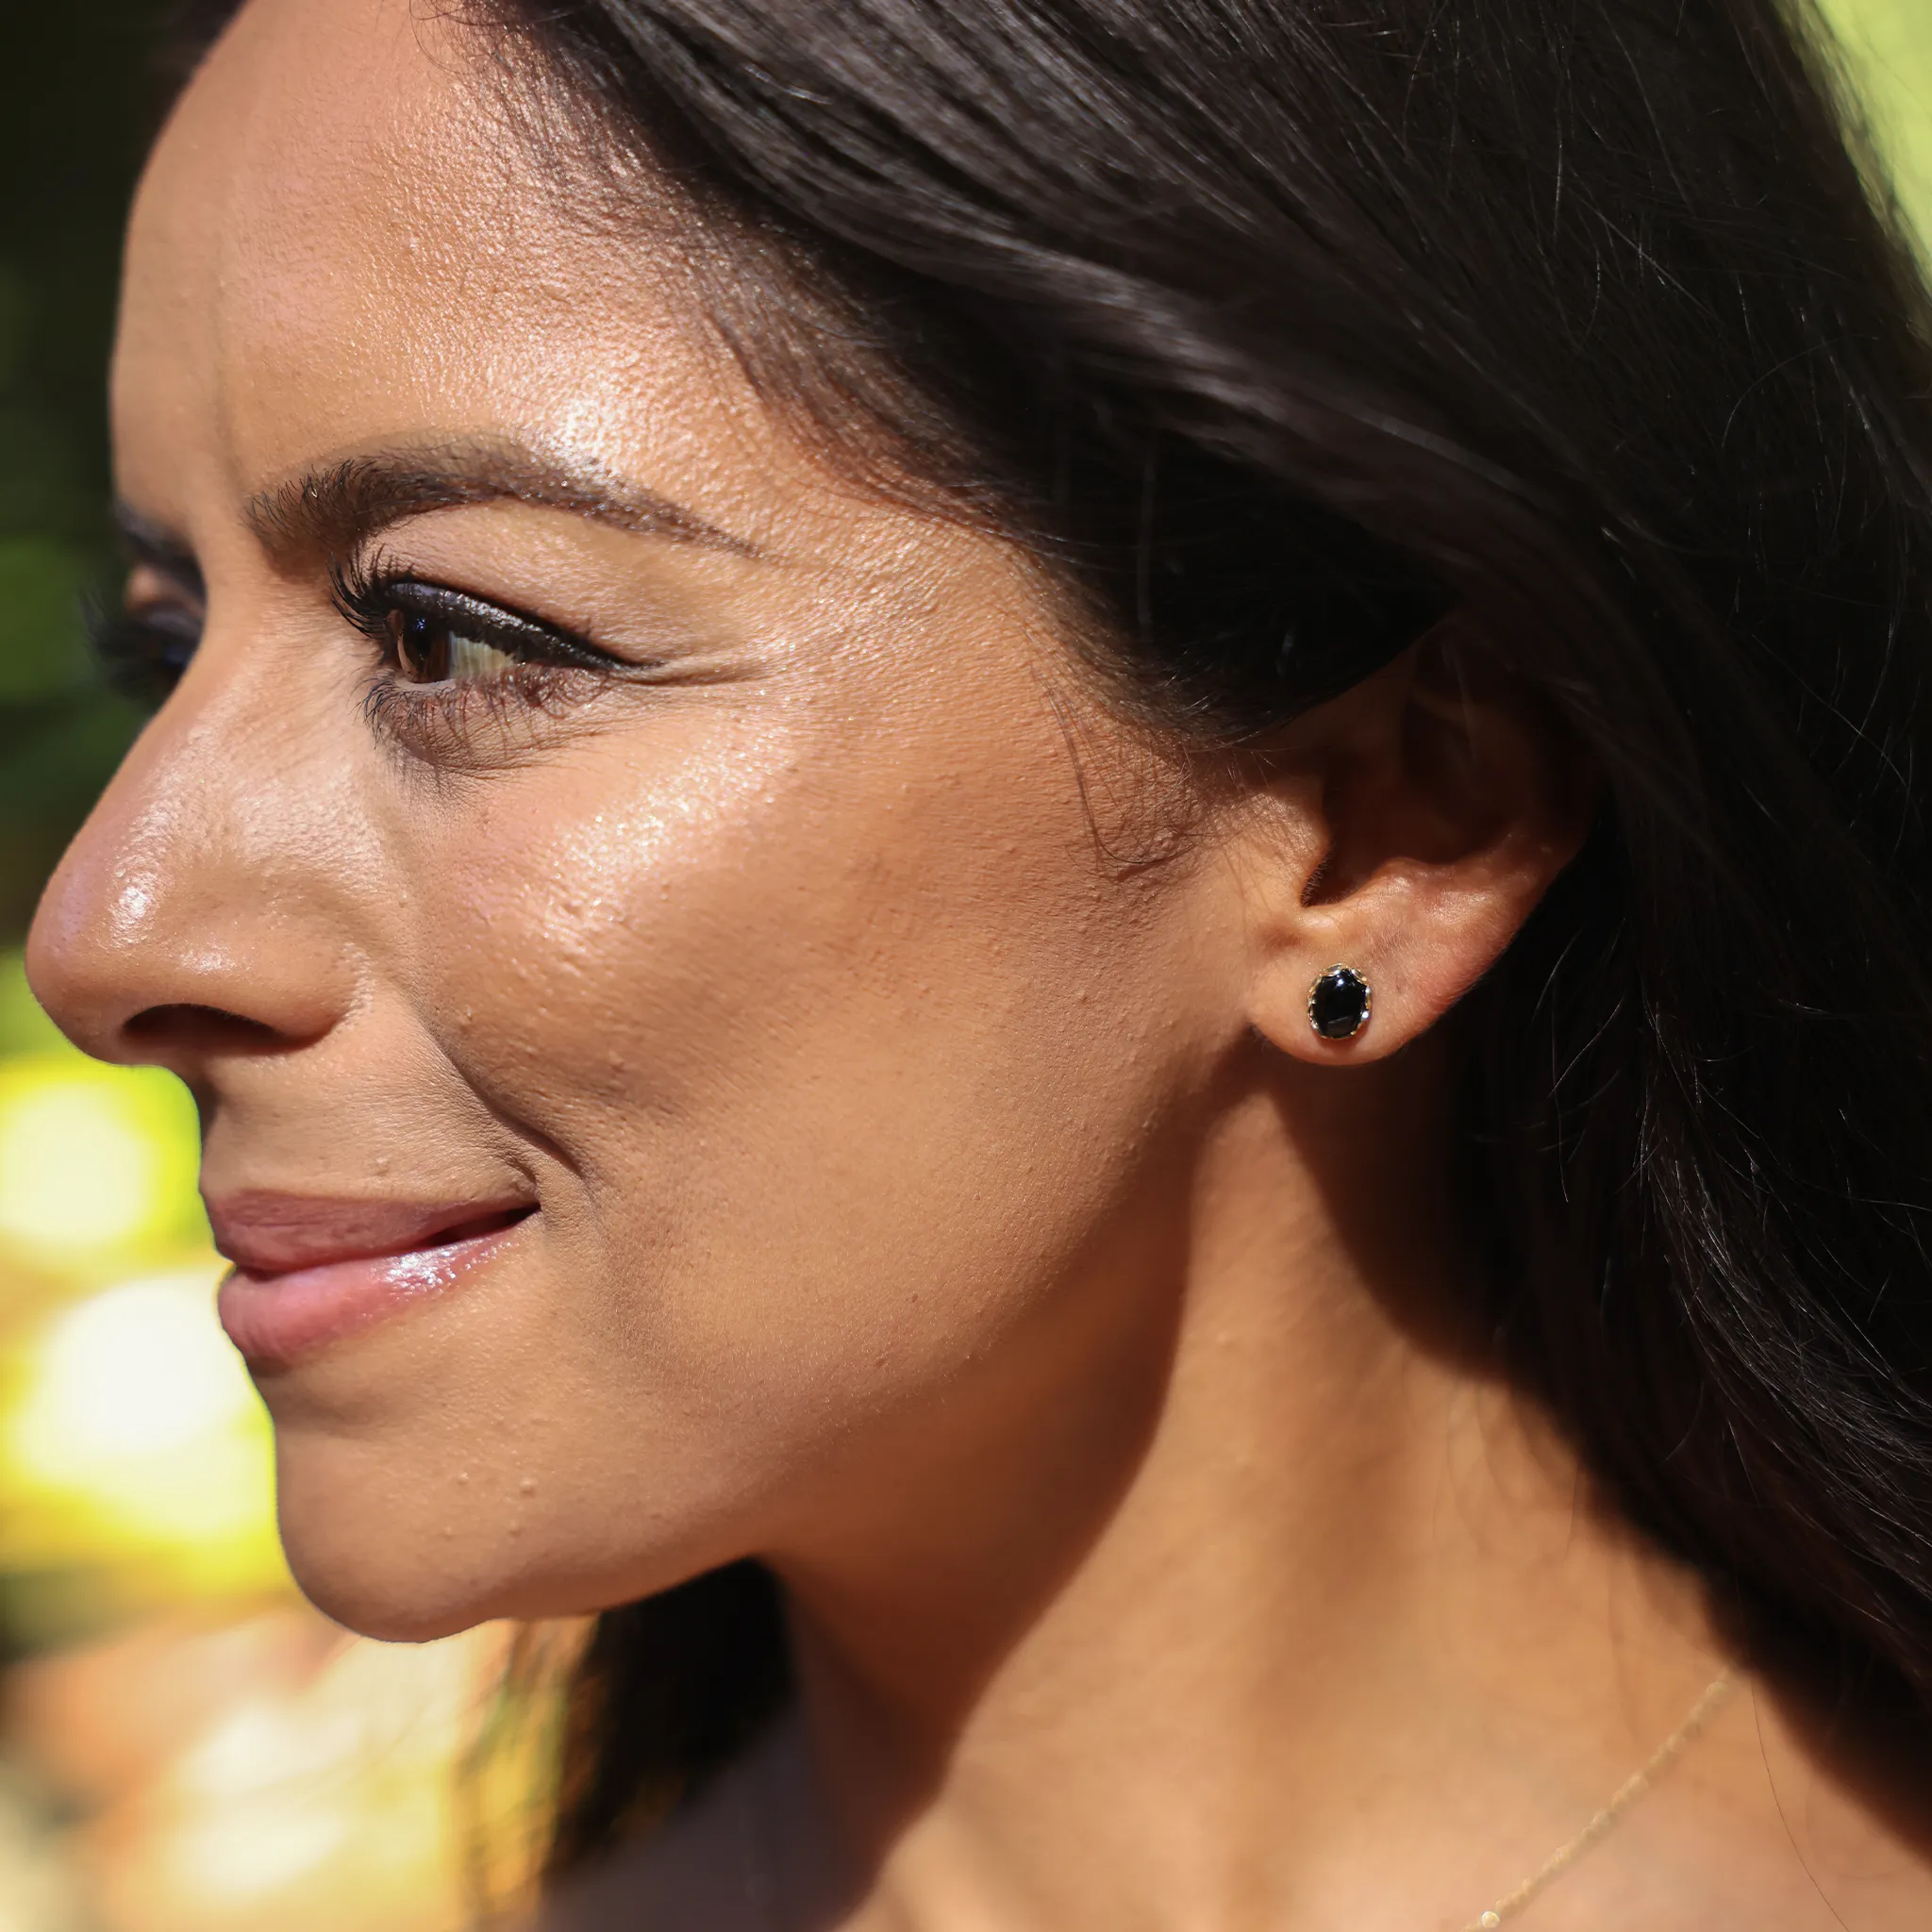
pixel 190 917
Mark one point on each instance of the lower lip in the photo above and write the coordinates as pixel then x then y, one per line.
pixel 275 1319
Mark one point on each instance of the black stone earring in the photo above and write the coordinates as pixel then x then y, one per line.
pixel 1338 1003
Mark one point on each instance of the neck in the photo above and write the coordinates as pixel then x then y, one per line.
pixel 1202 1634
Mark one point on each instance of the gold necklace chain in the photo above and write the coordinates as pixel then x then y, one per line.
pixel 1626 1794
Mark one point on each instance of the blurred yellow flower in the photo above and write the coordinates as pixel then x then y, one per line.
pixel 98 1164
pixel 137 1431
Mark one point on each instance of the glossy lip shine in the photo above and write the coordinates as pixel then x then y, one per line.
pixel 308 1272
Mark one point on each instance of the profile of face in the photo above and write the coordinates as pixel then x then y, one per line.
pixel 684 1071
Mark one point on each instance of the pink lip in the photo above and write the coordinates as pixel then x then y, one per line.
pixel 311 1272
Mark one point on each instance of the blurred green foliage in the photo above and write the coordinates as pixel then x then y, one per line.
pixel 78 96
pixel 1888 44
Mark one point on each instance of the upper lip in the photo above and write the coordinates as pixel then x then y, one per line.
pixel 265 1233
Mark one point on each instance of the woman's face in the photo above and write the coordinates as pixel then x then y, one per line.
pixel 680 1076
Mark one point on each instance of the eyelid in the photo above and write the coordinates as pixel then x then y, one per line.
pixel 151 582
pixel 146 544
pixel 366 593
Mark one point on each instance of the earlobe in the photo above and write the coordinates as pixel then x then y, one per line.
pixel 1439 809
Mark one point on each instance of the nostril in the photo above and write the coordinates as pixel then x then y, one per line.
pixel 204 1029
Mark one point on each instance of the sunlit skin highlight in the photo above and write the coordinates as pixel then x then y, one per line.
pixel 894 1185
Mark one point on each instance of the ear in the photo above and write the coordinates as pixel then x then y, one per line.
pixel 1405 831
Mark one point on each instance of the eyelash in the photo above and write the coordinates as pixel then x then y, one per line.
pixel 551 672
pixel 142 657
pixel 146 653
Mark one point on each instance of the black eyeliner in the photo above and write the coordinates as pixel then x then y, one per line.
pixel 366 599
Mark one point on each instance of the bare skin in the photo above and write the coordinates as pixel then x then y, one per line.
pixel 885 1183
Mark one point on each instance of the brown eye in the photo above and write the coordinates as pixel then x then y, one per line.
pixel 421 644
pixel 428 651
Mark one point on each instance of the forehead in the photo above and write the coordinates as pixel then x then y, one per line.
pixel 343 236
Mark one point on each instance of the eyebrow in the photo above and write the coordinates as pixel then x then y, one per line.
pixel 331 512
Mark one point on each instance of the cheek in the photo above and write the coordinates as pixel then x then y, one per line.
pixel 828 1090
pixel 803 1049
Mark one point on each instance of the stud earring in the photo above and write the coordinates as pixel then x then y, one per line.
pixel 1338 1003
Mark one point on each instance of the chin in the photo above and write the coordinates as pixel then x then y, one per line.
pixel 410 1560
pixel 359 1576
pixel 400 1590
pixel 384 1557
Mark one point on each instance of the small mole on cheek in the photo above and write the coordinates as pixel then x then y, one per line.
pixel 462 1476
pixel 528 1486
